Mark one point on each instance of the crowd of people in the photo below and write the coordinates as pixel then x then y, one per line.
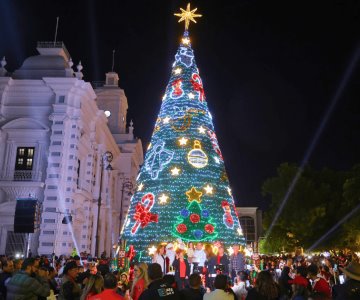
pixel 193 272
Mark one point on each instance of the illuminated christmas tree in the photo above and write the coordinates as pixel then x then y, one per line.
pixel 182 188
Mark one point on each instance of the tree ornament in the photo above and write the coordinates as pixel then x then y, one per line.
pixel 194 195
pixel 227 217
pixel 157 158
pixel 177 90
pixel 183 141
pixel 215 143
pixel 208 189
pixel 198 86
pixel 209 228
pixel 184 213
pixel 197 157
pixel 198 234
pixel 175 171
pixel 181 228
pixel 187 15
pixel 185 56
pixel 181 124
pixel 205 213
pixel 142 215
pixel 194 218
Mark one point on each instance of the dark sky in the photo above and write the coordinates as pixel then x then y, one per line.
pixel 270 70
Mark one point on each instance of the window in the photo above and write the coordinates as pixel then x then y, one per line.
pixel 48 232
pixel 248 227
pixel 62 99
pixel 24 158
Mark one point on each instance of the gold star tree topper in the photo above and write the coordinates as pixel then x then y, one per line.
pixel 187 16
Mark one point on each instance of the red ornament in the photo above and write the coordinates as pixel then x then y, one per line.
pixel 209 228
pixel 194 218
pixel 181 228
pixel 142 214
pixel 198 86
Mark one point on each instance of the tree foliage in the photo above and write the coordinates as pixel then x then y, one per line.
pixel 318 201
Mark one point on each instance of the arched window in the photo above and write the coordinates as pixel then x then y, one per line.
pixel 248 228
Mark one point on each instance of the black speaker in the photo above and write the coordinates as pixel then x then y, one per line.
pixel 26 216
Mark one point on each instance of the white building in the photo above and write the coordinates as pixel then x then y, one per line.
pixel 53 136
pixel 251 223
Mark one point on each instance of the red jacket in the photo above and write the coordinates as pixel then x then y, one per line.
pixel 138 289
pixel 107 294
pixel 322 286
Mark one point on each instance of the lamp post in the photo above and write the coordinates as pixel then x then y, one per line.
pixel 127 184
pixel 106 157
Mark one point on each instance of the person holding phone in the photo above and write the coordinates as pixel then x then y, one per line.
pixel 350 290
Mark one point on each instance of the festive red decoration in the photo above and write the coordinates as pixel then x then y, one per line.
pixel 198 86
pixel 227 217
pixel 181 228
pixel 209 228
pixel 142 215
pixel 194 218
pixel 177 91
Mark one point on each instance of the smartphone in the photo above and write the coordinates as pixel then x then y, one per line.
pixel 341 279
pixel 247 283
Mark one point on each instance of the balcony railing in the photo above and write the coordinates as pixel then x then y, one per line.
pixel 21 175
pixel 42 44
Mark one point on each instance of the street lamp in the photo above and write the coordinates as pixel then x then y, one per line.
pixel 106 157
pixel 128 185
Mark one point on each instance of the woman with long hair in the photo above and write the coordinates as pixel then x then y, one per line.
pixel 141 280
pixel 265 288
pixel 93 287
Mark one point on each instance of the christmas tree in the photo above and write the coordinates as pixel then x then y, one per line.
pixel 182 188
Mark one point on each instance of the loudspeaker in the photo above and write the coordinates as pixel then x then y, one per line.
pixel 26 216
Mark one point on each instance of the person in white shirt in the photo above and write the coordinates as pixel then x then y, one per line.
pixel 199 257
pixel 219 293
pixel 170 253
pixel 160 258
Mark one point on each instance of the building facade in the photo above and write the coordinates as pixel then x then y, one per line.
pixel 53 137
pixel 251 224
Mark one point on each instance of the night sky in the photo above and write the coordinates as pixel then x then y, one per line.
pixel 270 70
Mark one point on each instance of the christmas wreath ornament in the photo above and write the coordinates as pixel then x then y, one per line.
pixel 194 218
pixel 197 157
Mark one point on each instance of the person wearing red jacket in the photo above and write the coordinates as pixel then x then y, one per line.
pixel 109 292
pixel 319 284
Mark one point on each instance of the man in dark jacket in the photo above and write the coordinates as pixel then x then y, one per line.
pixel 5 276
pixel 158 289
pixel 195 291
pixel 350 290
pixel 23 286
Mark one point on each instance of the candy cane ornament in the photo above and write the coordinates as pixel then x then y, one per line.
pixel 198 86
pixel 142 215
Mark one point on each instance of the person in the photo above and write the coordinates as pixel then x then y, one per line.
pixel 160 258
pixel 220 284
pixel 319 285
pixel 182 269
pixel 265 288
pixel 23 286
pixel 141 280
pixel 170 254
pixel 210 264
pixel 351 288
pixel 199 258
pixel 223 260
pixel 52 281
pixel 190 252
pixel 285 286
pixel 236 262
pixel 239 287
pixel 158 289
pixel 5 276
pixel 195 291
pixel 109 292
pixel 70 289
pixel 93 287
pixel 123 284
